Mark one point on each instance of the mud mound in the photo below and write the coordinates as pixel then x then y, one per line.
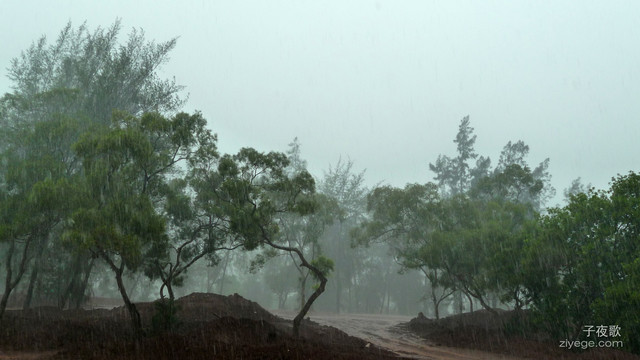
pixel 203 307
pixel 211 327
pixel 505 333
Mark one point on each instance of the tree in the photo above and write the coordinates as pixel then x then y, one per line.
pixel 576 187
pixel 455 175
pixel 36 197
pixel 513 165
pixel 467 234
pixel 303 232
pixel 196 224
pixel 479 247
pixel 63 89
pixel 125 169
pixel 254 189
pixel 346 189
pixel 583 262
pixel 408 219
pixel 88 75
pixel 192 236
pixel 27 218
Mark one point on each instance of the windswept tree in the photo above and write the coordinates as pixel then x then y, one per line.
pixel 60 90
pixel 88 75
pixel 304 231
pixel 254 190
pixel 193 235
pixel 125 169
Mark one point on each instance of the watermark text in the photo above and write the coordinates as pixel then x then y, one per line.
pixel 605 337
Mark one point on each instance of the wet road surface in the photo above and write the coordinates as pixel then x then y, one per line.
pixel 384 331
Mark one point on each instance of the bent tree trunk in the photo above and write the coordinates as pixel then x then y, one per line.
pixel 319 275
pixel 10 282
pixel 136 322
pixel 303 286
pixel 478 295
pixel 131 307
pixel 323 282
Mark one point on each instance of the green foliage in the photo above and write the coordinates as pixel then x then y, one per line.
pixel 261 259
pixel 324 264
pixel 582 264
pixel 89 74
pixel 165 316
pixel 467 232
pixel 452 174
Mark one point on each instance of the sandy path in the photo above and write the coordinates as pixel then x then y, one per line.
pixel 382 330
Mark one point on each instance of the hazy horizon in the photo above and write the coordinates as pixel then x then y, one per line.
pixel 386 84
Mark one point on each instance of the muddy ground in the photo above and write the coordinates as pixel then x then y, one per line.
pixel 210 327
pixel 483 331
pixel 231 327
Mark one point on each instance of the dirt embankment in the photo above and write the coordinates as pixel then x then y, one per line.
pixel 484 331
pixel 230 327
pixel 210 327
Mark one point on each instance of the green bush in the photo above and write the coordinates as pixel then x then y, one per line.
pixel 164 318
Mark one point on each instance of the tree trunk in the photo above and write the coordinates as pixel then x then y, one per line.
pixel 224 273
pixel 136 322
pixel 388 301
pixel 11 283
pixel 303 285
pixel 170 291
pixel 487 306
pixel 323 282
pixel 349 297
pixel 304 263
pixel 338 290
pixel 79 293
pixel 480 298
pixel 3 303
pixel 457 300
pixel 5 298
pixel 62 303
pixel 32 284
pixel 386 289
pixel 436 303
pixel 470 299
pixel 71 289
pixel 282 299
pixel 34 275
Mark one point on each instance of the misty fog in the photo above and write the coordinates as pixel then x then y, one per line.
pixel 368 157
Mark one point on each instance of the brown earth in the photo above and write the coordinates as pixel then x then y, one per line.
pixel 231 327
pixel 210 327
pixel 484 331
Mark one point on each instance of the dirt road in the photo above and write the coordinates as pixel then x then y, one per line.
pixel 383 331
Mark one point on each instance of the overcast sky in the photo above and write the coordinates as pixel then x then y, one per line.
pixel 385 83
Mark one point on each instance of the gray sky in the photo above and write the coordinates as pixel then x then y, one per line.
pixel 386 83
